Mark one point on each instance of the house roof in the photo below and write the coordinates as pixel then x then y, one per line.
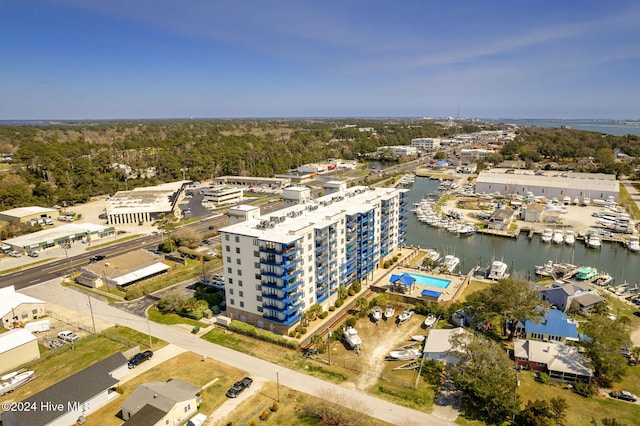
pixel 80 387
pixel 589 299
pixel 404 278
pixel 14 338
pixel 556 356
pixel 162 395
pixel 553 323
pixel 146 416
pixel 439 340
pixel 10 299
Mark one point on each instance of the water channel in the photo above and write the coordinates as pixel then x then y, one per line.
pixel 521 254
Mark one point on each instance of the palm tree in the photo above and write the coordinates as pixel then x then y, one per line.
pixel 635 354
pixel 362 304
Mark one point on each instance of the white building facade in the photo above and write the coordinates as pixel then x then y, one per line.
pixel 276 267
pixel 399 150
pixel 425 144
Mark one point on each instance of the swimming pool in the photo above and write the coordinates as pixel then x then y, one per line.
pixel 431 281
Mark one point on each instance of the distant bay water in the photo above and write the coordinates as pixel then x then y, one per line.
pixel 610 127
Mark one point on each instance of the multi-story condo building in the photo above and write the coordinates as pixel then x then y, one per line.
pixel 425 144
pixel 276 267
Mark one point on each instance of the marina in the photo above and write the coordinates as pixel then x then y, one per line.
pixel 522 252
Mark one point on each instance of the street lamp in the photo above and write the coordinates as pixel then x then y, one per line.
pixel 329 344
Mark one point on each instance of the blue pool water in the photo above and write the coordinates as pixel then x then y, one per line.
pixel 431 281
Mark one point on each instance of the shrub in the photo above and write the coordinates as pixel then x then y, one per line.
pixel 356 286
pixel 584 389
pixel 351 292
pixel 324 314
pixel 386 264
pixel 265 415
pixel 332 308
pixel 298 335
pixel 275 406
pixel 351 321
pixel 133 293
pixel 339 303
pixel 544 378
pixel 266 335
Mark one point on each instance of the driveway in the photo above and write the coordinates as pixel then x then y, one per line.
pixel 350 398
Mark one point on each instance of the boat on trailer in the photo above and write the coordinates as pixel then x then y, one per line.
pixel 430 320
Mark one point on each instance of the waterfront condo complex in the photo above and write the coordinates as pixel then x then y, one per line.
pixel 276 267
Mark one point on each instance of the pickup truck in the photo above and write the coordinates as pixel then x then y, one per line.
pixel 68 336
pixel 238 387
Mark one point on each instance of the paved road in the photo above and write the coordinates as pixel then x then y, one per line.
pixel 383 410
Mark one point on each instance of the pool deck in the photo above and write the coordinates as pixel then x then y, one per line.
pixel 453 290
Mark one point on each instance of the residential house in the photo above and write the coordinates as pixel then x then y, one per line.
pixel 439 347
pixel 161 403
pixel 501 219
pixel 554 326
pixel 561 294
pixel 560 361
pixel 71 399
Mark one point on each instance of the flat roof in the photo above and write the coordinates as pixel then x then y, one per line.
pixel 439 339
pixel 10 299
pixel 128 267
pixel 27 211
pixel 57 233
pixel 148 199
pixel 14 338
pixel 592 182
pixel 290 221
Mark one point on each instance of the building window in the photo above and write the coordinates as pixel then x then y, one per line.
pixel 255 241
pixel 239 271
pixel 230 291
pixel 226 237
pixel 242 304
pixel 239 283
pixel 256 265
pixel 258 287
pixel 232 301
pixel 259 298
pixel 256 254
pixel 230 281
pixel 229 270
pixel 238 261
pixel 237 239
pixel 260 309
pixel 227 248
pixel 241 293
pixel 228 259
pixel 238 250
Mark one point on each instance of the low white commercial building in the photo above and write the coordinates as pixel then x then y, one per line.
pixel 60 235
pixel 248 181
pixel 17 347
pixel 145 204
pixel 399 150
pixel 223 194
pixel 16 309
pixel 296 195
pixel 26 214
pixel 549 184
pixel 472 155
pixel 425 144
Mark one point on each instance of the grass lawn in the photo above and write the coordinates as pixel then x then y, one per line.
pixel 473 287
pixel 581 410
pixel 157 316
pixel 58 365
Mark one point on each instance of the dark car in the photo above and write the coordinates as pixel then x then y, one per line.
pixel 637 313
pixel 97 258
pixel 624 395
pixel 211 227
pixel 238 387
pixel 139 358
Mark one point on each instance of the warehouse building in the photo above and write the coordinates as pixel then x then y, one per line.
pixel 425 144
pixel 550 185
pixel 222 194
pixel 28 214
pixel 17 347
pixel 248 182
pixel 16 309
pixel 278 266
pixel 60 235
pixel 143 205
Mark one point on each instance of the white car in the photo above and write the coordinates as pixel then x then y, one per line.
pixel 14 253
pixel 68 336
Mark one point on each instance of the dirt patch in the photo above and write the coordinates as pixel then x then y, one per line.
pixel 377 341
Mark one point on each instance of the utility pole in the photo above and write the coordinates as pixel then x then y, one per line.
pixel 329 344
pixel 93 320
pixel 278 381
pixel 149 333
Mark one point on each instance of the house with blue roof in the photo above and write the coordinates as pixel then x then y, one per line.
pixel 554 326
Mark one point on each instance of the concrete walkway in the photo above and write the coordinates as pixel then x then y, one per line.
pixel 350 398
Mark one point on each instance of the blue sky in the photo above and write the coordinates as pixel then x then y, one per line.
pixel 90 59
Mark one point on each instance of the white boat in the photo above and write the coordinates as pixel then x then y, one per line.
pixel 576 201
pixel 545 270
pixel 603 280
pixel 634 243
pixel 377 313
pixel 405 354
pixel 586 201
pixel 418 338
pixel 389 312
pixel 406 314
pixel 467 229
pixel 351 337
pixel 558 237
pixel 546 236
pixel 12 381
pixel 498 270
pixel 450 263
pixel 593 240
pixel 431 319
pixel 433 255
pixel 569 237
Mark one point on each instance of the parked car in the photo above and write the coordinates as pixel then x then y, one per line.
pixel 33 254
pixel 139 358
pixel 211 227
pixel 238 387
pixel 68 336
pixel 14 253
pixel 637 313
pixel 97 258
pixel 624 395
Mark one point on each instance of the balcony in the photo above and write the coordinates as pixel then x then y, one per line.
pixel 287 320
pixel 284 263
pixel 280 249
pixel 278 285
pixel 280 297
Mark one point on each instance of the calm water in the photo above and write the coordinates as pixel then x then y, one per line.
pixel 521 254
pixel 610 127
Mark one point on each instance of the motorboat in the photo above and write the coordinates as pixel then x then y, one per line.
pixel 467 229
pixel 546 236
pixel 634 243
pixel 377 313
pixel 433 255
pixel 405 316
pixel 545 270
pixel 593 240
pixel 603 280
pixel 586 273
pixel 569 237
pixel 389 312
pixel 450 263
pixel 351 338
pixel 558 237
pixel 12 381
pixel 406 354
pixel 498 270
pixel 430 320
